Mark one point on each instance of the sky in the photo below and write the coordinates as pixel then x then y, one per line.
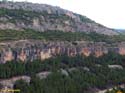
pixel 110 13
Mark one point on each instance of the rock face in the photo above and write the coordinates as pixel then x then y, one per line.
pixel 7 84
pixel 43 75
pixel 31 50
pixel 115 66
pixel 41 17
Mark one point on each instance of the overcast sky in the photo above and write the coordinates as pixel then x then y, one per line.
pixel 110 13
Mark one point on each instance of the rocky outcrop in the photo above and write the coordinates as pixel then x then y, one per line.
pixel 9 83
pixel 43 75
pixel 43 17
pixel 115 66
pixel 122 49
pixel 4 26
pixel 31 50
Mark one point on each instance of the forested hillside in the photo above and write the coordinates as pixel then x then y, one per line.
pixel 80 75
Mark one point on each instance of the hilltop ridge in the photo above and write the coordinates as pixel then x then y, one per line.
pixel 42 17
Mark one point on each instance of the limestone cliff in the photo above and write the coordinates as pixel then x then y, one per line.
pixel 16 18
pixel 25 50
pixel 41 17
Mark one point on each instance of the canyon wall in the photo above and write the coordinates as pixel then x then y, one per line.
pixel 28 50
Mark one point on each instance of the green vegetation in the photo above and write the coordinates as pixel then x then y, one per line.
pixel 85 19
pixel 20 15
pixel 26 15
pixel 58 36
pixel 6 35
pixel 55 83
pixel 78 81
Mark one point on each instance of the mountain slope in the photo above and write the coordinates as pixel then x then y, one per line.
pixel 41 17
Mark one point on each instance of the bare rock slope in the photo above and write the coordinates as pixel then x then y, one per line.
pixel 41 17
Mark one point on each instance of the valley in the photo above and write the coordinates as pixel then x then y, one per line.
pixel 47 49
